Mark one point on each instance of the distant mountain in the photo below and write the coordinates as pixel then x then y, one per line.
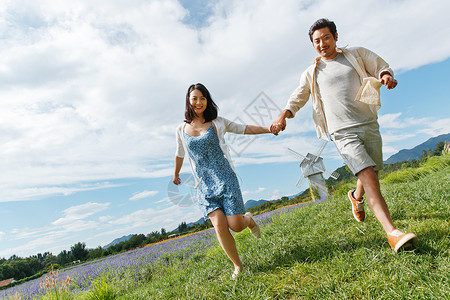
pixel 298 194
pixel 199 221
pixel 253 203
pixel 416 152
pixel 119 240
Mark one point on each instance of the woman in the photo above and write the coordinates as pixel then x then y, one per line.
pixel 201 136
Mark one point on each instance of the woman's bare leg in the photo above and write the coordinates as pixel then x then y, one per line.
pixel 226 240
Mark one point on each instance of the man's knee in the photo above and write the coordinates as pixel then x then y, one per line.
pixel 369 179
pixel 367 173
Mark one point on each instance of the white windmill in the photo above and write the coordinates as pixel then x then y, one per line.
pixel 313 168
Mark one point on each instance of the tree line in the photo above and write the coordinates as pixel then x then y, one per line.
pixel 21 268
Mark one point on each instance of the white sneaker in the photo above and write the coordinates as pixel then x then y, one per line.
pixel 256 231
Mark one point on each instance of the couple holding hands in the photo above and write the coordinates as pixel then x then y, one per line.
pixel 344 87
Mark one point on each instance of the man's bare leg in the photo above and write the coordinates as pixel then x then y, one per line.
pixel 369 184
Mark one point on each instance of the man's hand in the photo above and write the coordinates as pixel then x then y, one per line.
pixel 388 81
pixel 280 123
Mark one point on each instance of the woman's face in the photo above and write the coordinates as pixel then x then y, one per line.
pixel 198 102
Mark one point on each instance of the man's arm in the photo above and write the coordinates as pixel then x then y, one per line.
pixel 296 101
pixel 378 67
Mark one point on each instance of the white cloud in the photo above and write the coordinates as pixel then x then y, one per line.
pixel 390 137
pixel 104 219
pixel 389 150
pixel 73 215
pixel 144 194
pixel 171 198
pixel 30 193
pixel 32 241
pixel 397 121
pixel 168 218
pixel 2 235
pixel 391 121
pixel 398 132
pixel 149 216
pixel 25 232
pixel 64 231
pixel 258 191
pixel 275 195
pixel 29 246
pixel 72 221
pixel 437 127
pixel 125 225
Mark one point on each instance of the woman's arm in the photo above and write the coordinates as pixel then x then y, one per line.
pixel 178 163
pixel 253 129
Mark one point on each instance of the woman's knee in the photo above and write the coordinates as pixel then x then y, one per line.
pixel 218 220
pixel 221 227
pixel 236 223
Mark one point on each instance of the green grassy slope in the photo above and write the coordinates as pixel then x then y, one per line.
pixel 320 251
pixel 316 252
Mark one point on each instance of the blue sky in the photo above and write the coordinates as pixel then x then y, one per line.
pixel 91 94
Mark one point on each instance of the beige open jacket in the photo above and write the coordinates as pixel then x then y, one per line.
pixel 369 67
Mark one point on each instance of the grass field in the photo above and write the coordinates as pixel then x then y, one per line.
pixel 316 252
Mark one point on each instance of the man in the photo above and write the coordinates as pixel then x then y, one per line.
pixel 344 85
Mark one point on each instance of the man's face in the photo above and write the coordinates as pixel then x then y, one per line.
pixel 325 43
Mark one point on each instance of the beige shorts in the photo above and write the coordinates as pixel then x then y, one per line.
pixel 360 147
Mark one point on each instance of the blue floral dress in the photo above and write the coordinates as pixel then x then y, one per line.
pixel 219 186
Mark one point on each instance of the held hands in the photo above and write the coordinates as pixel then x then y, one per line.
pixel 278 125
pixel 388 81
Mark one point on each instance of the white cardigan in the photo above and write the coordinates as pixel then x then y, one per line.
pixel 222 126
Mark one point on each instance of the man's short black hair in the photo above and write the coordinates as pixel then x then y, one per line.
pixel 322 23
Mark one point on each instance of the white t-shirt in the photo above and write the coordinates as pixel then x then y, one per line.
pixel 338 84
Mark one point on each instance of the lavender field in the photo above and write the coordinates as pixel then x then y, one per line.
pixel 135 263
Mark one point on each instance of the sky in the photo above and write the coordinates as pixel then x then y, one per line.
pixel 91 93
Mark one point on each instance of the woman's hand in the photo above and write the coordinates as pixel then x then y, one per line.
pixel 176 174
pixel 176 180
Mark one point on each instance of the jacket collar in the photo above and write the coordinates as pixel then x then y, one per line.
pixel 317 59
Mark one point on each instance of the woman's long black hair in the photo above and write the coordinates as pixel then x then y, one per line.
pixel 210 112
